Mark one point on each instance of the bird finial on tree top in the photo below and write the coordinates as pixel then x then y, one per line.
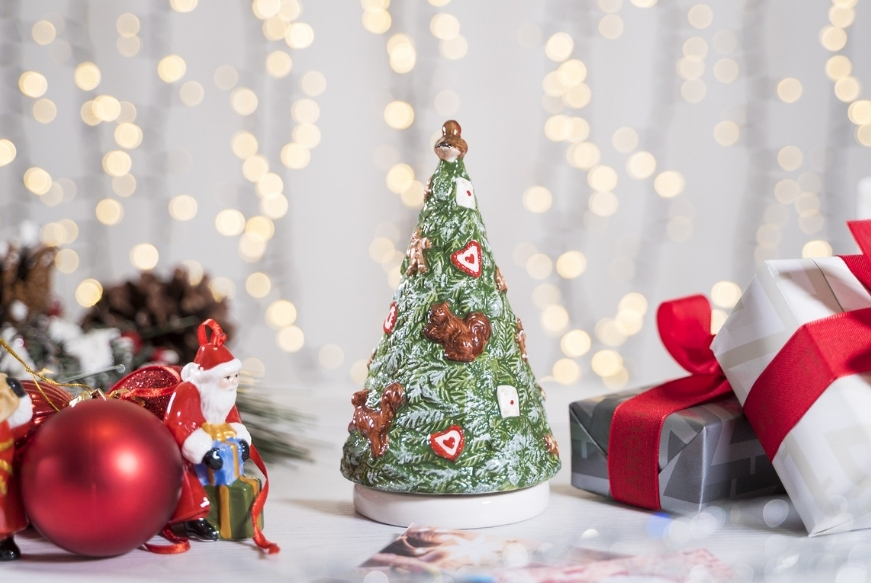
pixel 451 145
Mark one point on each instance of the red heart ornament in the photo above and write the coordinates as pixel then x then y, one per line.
pixel 468 259
pixel 448 443
pixel 390 320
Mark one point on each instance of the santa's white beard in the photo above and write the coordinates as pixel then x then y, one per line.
pixel 215 402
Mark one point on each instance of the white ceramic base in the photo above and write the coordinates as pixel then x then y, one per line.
pixel 451 511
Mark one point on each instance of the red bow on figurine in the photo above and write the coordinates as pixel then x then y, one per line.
pixel 633 446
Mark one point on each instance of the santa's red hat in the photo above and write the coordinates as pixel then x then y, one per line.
pixel 213 357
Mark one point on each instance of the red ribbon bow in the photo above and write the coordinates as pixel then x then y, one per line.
pixel 817 354
pixel 633 445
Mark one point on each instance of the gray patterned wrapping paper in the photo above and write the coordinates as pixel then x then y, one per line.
pixel 706 453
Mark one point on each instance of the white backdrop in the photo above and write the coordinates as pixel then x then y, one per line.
pixel 769 168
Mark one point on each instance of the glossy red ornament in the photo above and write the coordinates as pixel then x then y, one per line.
pixel 47 400
pixel 101 478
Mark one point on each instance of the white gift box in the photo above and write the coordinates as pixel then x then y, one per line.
pixel 825 460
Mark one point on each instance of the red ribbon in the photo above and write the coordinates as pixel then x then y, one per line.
pixel 633 445
pixel 817 354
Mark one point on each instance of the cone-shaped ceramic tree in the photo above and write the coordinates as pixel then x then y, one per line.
pixel 450 405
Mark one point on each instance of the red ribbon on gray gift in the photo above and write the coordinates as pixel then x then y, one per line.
pixel 633 444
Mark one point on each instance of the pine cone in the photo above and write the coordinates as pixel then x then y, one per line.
pixel 161 312
pixel 25 283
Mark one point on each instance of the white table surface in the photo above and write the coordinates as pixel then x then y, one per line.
pixel 311 516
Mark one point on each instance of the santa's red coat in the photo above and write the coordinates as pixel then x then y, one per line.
pixel 183 417
pixel 12 518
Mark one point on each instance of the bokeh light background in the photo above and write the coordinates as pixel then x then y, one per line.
pixel 624 152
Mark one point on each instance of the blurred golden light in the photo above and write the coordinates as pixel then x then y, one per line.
pixel 251 248
pixel 381 249
pixel 863 134
pixel 295 156
pixel 393 278
pixel 291 339
pixel 726 133
pixel 274 206
pixel 128 46
pixel 403 56
pixel 603 204
pixel 579 129
pixel 230 222
pixel 700 16
pixel 52 234
pixel 726 70
pixel 578 96
pixel 377 21
pixel 789 90
pixel 359 371
pixel 689 69
pixel 244 101
pixel 128 135
pixel 399 115
pixel 222 287
pixel 124 185
pixel 144 256
pixel 313 83
pixel 537 199
pixel 816 248
pixel 679 229
pixel 7 152
pixel 454 49
pixel 43 32
pixel 171 68
pixel 572 72
pixel 278 64
pixel 37 180
pixel 609 333
pixel 610 5
pixel 847 89
pixel 669 184
pixel 87 76
pixel 375 4
pixel 439 3
pixel 117 163
pixel 414 195
pixel 54 196
pixel 606 362
pixel 89 293
pixel 253 367
pixel 625 140
pixel 811 222
pixel 539 266
pixel 331 356
pixel 629 321
pixel 66 261
pixel 307 134
pixel 566 371
pixel 127 25
pixel 552 85
pixel 274 28
pixel 71 229
pixel 833 38
pixel 786 191
pixel 305 111
pixel 109 211
pixel 265 8
pixel 575 343
pixel 44 110
pixel 725 294
pixel 260 227
pixel 183 207
pixel 195 271
pixel 191 93
pixel 444 26
pixel 841 16
pixel 554 319
pixel 602 178
pixel 611 26
pixel 280 314
pixel 838 67
pixel 571 264
pixel 545 294
pixel 183 5
pixel 641 165
pixel 633 301
pixel 399 178
pixel 270 184
pixel 584 155
pixel 790 158
pixel 559 47
pixel 845 3
pixel 32 84
pixel 807 201
pixel 718 318
pixel 128 113
pixel 299 35
pixel 254 168
pixel 616 381
pixel 258 285
pixel 694 90
pixel 557 128
pixel 859 112
pixel 695 48
pixel 106 108
pixel 225 77
pixel 243 144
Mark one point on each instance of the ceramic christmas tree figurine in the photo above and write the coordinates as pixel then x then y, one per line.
pixel 450 405
pixel 15 411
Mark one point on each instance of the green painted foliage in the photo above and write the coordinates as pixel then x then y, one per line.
pixel 500 454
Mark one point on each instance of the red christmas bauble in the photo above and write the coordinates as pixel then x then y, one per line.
pixel 101 478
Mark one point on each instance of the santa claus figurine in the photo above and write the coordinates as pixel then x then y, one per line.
pixel 202 413
pixel 15 410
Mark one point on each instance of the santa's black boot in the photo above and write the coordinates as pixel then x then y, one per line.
pixel 201 530
pixel 9 550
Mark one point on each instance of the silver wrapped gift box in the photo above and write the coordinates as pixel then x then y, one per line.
pixel 706 453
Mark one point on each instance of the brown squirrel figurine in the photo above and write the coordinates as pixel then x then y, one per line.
pixel 451 146
pixel 463 339
pixel 375 423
